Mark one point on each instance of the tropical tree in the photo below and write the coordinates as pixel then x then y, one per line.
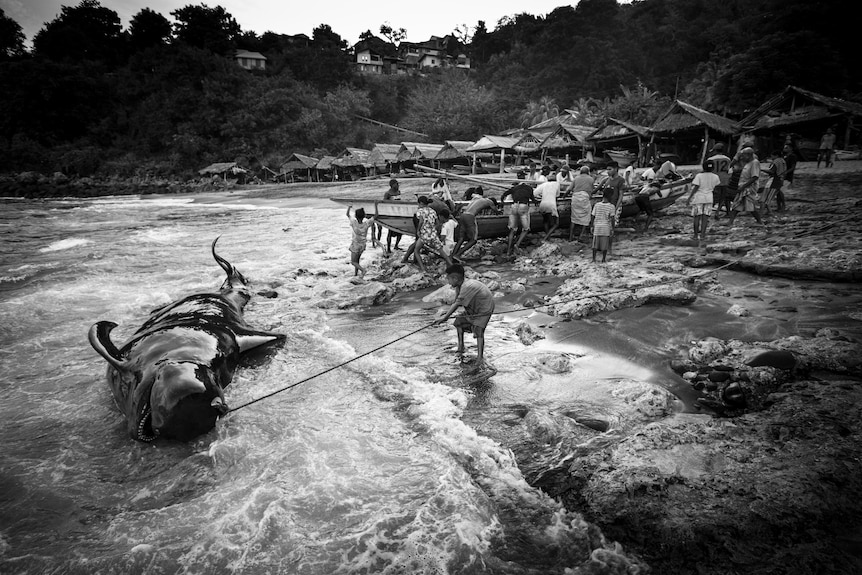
pixel 535 112
pixel 393 35
pixel 147 29
pixel 11 37
pixel 87 31
pixel 213 29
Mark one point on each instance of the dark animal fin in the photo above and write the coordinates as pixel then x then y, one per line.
pixel 250 339
pixel 232 273
pixel 100 338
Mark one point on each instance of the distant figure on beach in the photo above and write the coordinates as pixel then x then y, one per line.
pixel 542 175
pixel 603 216
pixel 440 188
pixel 548 193
pixel 746 199
pixel 702 187
pixel 360 238
pixel 827 145
pixel 644 202
pixel 519 217
pixel 582 190
pixel 648 175
pixel 721 196
pixel 469 230
pixel 776 172
pixel 393 193
pixel 478 303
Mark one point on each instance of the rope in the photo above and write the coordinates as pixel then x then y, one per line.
pixel 515 309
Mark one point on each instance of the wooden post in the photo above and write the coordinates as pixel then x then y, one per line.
pixel 473 170
pixel 502 159
pixel 705 145
pixel 847 132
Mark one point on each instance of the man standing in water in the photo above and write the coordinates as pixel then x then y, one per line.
pixel 478 303
pixel 746 197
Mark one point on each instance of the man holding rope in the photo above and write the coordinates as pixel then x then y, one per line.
pixel 746 197
pixel 478 303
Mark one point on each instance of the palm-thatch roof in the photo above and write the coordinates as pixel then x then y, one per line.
pixel 547 126
pixel 454 149
pixel 529 142
pixel 795 106
pixel 613 130
pixel 426 151
pixel 405 151
pixel 298 162
pixel 382 154
pixel 352 157
pixel 222 168
pixel 683 117
pixel 325 163
pixel 493 144
pixel 571 136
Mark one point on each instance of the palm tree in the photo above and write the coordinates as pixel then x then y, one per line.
pixel 540 111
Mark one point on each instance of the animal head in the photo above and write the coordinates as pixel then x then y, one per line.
pixel 185 400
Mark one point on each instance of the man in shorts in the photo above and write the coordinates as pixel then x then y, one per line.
pixel 467 227
pixel 478 303
pixel 519 217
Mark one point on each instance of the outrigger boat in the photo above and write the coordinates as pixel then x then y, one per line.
pixel 397 215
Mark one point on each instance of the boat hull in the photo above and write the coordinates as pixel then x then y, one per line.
pixel 398 215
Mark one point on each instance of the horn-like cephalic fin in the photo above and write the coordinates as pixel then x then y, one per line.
pixel 100 338
pixel 232 272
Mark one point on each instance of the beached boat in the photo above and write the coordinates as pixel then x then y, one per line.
pixel 398 215
pixel 622 157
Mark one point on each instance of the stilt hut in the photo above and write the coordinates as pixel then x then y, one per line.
pixel 494 145
pixel 384 158
pixel 324 168
pixel 405 154
pixel 297 163
pixel 688 132
pixel 624 142
pixel 800 117
pixel 352 163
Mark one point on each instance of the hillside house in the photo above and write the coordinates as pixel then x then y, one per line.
pixel 436 52
pixel 250 60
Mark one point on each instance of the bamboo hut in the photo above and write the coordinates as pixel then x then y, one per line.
pixel 297 163
pixel 324 168
pixel 690 131
pixel 800 117
pixel 351 162
pixel 405 151
pixel 614 136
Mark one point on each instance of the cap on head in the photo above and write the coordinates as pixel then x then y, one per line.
pixel 718 146
pixel 747 150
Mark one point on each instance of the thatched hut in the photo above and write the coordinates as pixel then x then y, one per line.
pixel 406 150
pixel 384 156
pixel 616 136
pixel 801 117
pixel 352 162
pixel 494 145
pixel 223 169
pixel 566 139
pixel 425 153
pixel 298 163
pixel 689 131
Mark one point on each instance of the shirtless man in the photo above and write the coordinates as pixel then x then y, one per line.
pixel 469 230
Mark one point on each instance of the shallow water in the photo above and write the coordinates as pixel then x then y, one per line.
pixel 370 468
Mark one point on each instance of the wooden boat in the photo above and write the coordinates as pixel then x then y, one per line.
pixel 397 215
pixel 622 157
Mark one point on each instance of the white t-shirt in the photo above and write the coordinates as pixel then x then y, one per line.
pixel 648 175
pixel 447 230
pixel 548 192
pixel 706 182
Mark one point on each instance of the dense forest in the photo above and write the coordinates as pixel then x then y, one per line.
pixel 166 98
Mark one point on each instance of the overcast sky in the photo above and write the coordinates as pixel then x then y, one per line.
pixel 348 18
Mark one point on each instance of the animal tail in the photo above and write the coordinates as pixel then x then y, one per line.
pixel 232 273
pixel 100 338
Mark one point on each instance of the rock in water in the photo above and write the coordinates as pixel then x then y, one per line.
pixel 738 310
pixel 779 359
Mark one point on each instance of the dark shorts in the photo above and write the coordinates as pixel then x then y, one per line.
pixel 480 321
pixel 644 204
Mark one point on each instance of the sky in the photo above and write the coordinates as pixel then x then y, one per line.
pixel 347 18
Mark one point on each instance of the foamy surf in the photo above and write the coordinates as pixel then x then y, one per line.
pixel 66 244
